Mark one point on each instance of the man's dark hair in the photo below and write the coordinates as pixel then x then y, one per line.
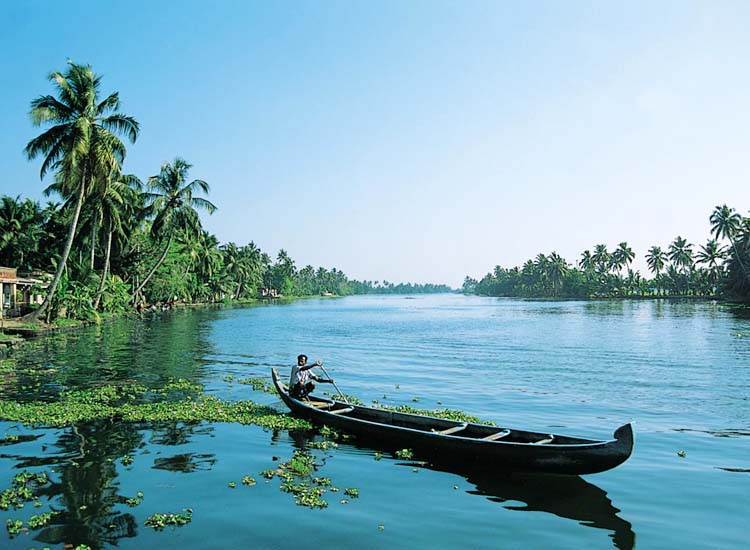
pixel 301 356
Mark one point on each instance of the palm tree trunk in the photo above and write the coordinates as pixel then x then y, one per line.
pixel 737 255
pixel 34 315
pixel 153 269
pixel 93 243
pixel 100 290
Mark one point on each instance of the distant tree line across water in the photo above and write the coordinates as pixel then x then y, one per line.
pixel 114 241
pixel 717 269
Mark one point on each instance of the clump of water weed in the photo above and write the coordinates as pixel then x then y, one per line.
pixel 22 490
pixel 405 454
pixel 446 414
pixel 159 521
pixel 179 400
pixel 297 477
pixel 258 384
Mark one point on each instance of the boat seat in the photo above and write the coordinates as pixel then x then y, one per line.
pixel 543 441
pixel 342 411
pixel 319 404
pixel 497 435
pixel 452 430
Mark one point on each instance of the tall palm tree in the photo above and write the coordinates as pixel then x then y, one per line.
pixel 711 254
pixel 587 261
pixel 726 223
pixel 622 256
pixel 234 266
pixel 656 259
pixel 172 203
pixel 681 254
pixel 602 258
pixel 111 210
pixel 21 230
pixel 557 269
pixel 81 144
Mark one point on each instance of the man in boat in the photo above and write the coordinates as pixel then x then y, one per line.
pixel 301 381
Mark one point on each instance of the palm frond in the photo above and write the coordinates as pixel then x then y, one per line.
pixel 122 124
pixel 204 204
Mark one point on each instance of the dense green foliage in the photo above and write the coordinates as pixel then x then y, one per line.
pixel 113 242
pixel 714 270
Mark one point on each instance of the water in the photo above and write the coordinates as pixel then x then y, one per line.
pixel 679 369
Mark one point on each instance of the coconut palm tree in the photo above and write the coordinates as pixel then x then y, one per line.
pixel 602 258
pixel 557 269
pixel 711 254
pixel 21 230
pixel 587 261
pixel 110 211
pixel 172 203
pixel 81 144
pixel 681 254
pixel 622 256
pixel 656 259
pixel 726 224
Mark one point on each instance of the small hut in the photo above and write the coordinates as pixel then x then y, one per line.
pixel 18 291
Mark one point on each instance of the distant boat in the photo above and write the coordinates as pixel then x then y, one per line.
pixel 444 441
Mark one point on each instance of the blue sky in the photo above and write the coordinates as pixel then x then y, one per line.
pixel 414 141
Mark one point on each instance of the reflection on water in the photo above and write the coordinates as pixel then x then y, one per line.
pixel 185 463
pixel 569 497
pixel 83 490
pixel 679 368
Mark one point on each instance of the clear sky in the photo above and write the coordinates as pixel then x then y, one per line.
pixel 413 141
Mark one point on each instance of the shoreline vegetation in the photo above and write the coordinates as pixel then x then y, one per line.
pixel 116 244
pixel 718 270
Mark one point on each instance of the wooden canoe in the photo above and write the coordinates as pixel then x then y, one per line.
pixel 444 441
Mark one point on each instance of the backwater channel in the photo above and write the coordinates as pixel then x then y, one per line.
pixel 681 370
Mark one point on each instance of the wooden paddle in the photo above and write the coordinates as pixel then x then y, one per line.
pixel 334 383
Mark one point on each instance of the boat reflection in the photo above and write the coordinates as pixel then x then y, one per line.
pixel 569 497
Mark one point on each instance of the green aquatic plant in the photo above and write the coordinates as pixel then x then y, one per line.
pixel 232 484
pixel 352 492
pixel 39 521
pixel 446 414
pixel 301 464
pixel 296 477
pixel 258 384
pixel 22 490
pixel 126 460
pixel 405 454
pixel 159 521
pixel 247 480
pixel 378 455
pixel 14 527
pixel 113 402
pixel 323 445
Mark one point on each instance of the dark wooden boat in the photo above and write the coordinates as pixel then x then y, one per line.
pixel 445 441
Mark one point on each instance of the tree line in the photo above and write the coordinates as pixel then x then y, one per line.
pixel 717 269
pixel 113 240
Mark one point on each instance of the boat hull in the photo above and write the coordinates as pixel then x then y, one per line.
pixel 468 444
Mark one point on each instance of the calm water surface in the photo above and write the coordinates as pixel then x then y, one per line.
pixel 681 370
